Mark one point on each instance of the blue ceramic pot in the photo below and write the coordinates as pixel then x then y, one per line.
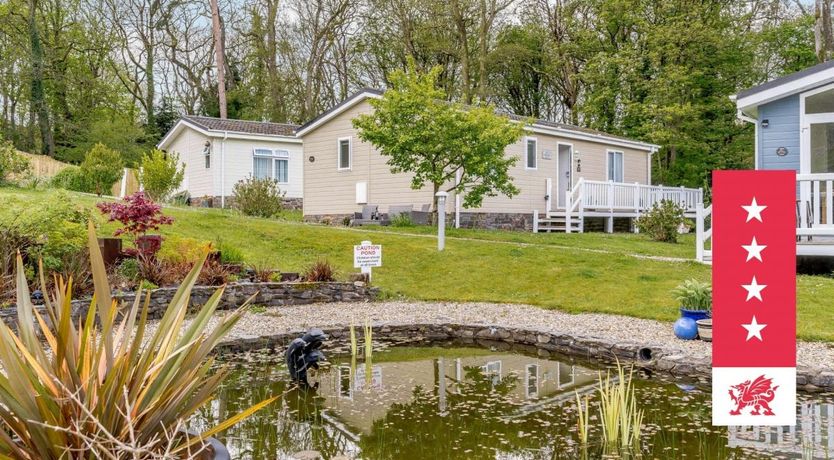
pixel 686 329
pixel 694 314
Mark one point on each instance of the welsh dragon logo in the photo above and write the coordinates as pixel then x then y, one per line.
pixel 757 395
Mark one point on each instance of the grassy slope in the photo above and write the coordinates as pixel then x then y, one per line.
pixel 545 274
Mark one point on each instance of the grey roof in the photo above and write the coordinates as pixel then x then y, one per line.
pixel 242 126
pixel 786 79
pixel 569 127
pixel 512 116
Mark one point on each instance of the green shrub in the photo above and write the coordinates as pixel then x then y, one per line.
pixel 160 174
pixel 661 223
pixel 258 197
pixel 694 295
pixel 71 178
pixel 101 167
pixel 402 220
pixel 178 250
pixel 230 254
pixel 128 269
pixel 53 228
pixel 12 162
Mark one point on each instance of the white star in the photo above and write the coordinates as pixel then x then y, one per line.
pixel 754 250
pixel 754 211
pixel 754 289
pixel 754 329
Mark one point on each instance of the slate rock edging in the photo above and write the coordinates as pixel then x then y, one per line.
pixel 675 362
pixel 270 294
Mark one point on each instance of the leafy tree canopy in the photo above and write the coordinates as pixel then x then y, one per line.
pixel 446 145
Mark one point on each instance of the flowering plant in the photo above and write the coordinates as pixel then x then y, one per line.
pixel 138 214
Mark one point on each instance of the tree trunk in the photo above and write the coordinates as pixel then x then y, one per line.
pixel 150 87
pixel 435 189
pixel 271 57
pixel 460 29
pixel 483 42
pixel 823 36
pixel 38 103
pixel 219 57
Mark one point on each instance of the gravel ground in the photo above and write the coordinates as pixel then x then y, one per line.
pixel 653 333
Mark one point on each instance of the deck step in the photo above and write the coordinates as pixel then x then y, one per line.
pixel 556 223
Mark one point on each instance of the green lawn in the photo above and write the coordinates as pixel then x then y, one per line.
pixel 624 243
pixel 556 272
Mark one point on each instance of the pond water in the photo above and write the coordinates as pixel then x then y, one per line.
pixel 452 402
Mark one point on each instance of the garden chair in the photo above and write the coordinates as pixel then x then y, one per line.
pixel 368 216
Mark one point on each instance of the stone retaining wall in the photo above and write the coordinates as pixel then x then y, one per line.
pixel 215 201
pixel 494 220
pixel 266 294
pixel 674 362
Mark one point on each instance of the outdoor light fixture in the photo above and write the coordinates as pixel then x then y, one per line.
pixel 578 162
pixel 441 219
pixel 765 123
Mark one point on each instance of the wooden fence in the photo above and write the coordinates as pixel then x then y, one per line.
pixel 44 166
pixel 131 184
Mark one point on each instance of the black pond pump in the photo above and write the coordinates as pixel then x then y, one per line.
pixel 303 353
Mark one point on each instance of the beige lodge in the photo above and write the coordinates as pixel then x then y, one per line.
pixel 570 178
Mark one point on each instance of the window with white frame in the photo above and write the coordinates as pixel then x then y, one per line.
pixel 271 164
pixel 615 166
pixel 344 153
pixel 532 381
pixel 492 371
pixel 207 154
pixel 531 152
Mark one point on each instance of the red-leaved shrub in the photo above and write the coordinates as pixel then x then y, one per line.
pixel 138 214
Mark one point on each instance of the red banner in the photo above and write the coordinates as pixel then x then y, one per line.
pixel 754 297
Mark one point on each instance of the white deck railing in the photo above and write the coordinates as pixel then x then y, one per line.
pixel 702 233
pixel 620 197
pixel 814 214
pixel 815 207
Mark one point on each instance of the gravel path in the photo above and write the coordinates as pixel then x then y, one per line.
pixel 652 333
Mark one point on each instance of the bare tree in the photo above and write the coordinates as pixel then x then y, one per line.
pixel 489 11
pixel 188 45
pixel 319 21
pixel 219 57
pixel 138 24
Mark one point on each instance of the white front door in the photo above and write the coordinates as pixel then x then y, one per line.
pixel 564 183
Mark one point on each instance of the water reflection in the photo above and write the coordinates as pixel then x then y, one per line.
pixel 472 403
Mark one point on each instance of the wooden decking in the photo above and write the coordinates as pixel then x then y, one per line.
pixel 611 200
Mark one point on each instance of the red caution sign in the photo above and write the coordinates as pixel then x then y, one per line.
pixel 754 298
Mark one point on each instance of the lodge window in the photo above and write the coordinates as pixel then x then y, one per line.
pixel 271 164
pixel 532 152
pixel 207 154
pixel 615 166
pixel 345 153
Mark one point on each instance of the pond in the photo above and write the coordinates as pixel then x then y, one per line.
pixel 446 401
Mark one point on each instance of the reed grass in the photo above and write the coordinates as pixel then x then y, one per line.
pixel 622 421
pixel 582 418
pixel 354 347
pixel 369 346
